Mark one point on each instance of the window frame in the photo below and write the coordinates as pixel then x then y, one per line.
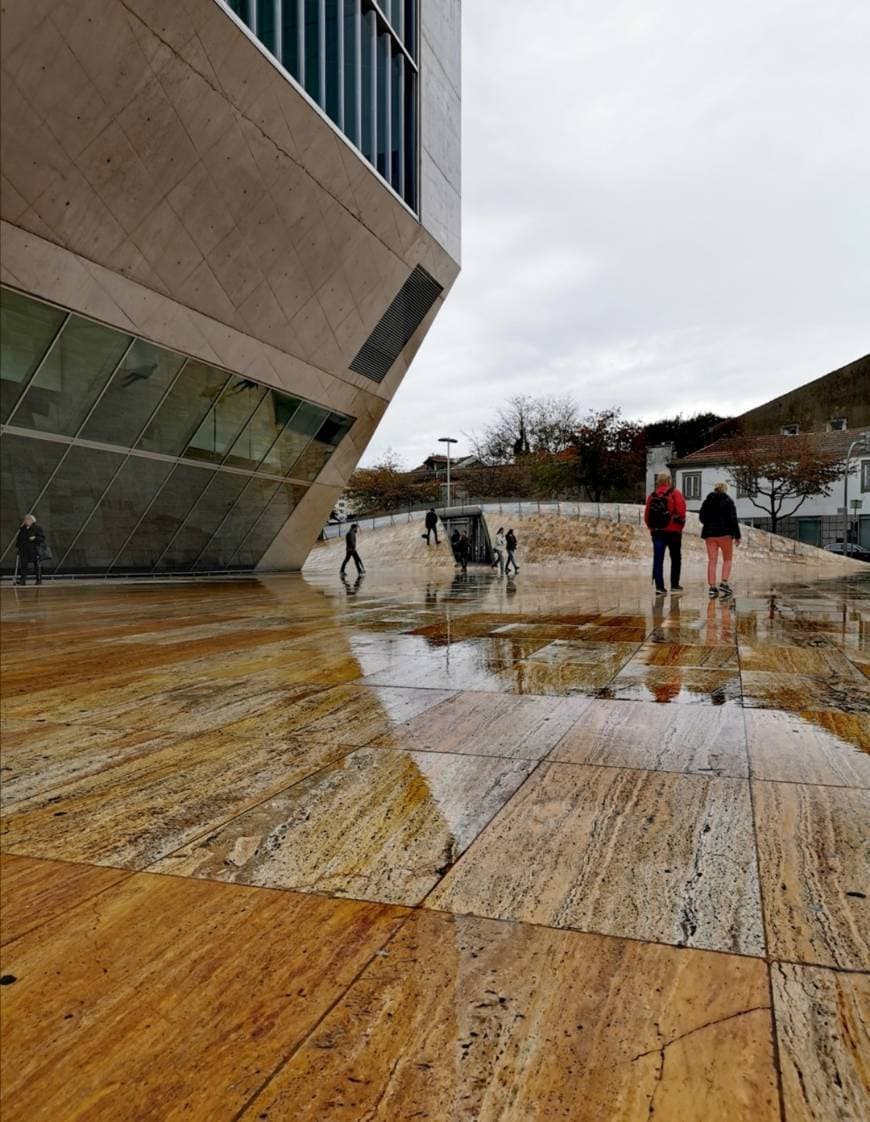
pixel 691 485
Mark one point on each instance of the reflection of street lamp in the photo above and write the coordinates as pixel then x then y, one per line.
pixel 448 440
pixel 863 442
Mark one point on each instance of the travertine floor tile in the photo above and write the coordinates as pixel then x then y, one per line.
pixel 685 686
pixel 33 892
pixel 686 654
pixel 139 811
pixel 641 854
pixel 763 690
pixel 823 1027
pixel 379 825
pixel 166 997
pixel 812 847
pixel 490 725
pixel 475 1020
pixel 813 662
pixel 822 746
pixel 706 739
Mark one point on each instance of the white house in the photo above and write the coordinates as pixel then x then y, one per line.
pixel 818 519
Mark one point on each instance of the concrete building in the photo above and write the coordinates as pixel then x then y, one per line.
pixel 226 229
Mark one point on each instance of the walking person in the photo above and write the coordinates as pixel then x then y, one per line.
pixel 350 547
pixel 721 532
pixel 665 518
pixel 511 547
pixel 31 547
pixel 463 550
pixel 431 525
pixel 499 550
pixel 454 545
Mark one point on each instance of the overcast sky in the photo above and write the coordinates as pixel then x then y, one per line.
pixel 666 206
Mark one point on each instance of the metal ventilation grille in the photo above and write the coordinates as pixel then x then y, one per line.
pixel 397 325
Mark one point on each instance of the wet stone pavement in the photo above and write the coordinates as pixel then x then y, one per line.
pixel 466 850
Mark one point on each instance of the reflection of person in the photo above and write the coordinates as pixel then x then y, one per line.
pixel 350 548
pixel 499 550
pixel 30 544
pixel 431 525
pixel 665 517
pixel 511 546
pixel 721 532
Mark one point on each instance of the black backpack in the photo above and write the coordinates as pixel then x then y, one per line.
pixel 659 511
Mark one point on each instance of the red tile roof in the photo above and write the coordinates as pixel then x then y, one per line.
pixel 835 443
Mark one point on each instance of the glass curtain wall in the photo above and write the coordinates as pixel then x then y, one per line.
pixel 136 459
pixel 357 59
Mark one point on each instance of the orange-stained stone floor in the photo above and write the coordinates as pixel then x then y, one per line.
pixel 468 850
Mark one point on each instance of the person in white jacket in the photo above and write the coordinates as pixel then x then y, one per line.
pixel 499 550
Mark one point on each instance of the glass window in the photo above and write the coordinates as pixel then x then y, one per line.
pixel 242 8
pixel 334 32
pixel 220 427
pixel 314 76
pixel 397 127
pixel 258 436
pixel 261 535
pixel 352 31
pixel 163 519
pixel 410 194
pixel 692 484
pixel 368 68
pixel 292 24
pixel 314 458
pixel 293 441
pixel 211 508
pixel 865 475
pixel 383 113
pixel 133 394
pixel 810 530
pixel 183 409
pixel 27 464
pixel 73 494
pixel 76 368
pixel 231 532
pixel 117 514
pixel 266 27
pixel 27 328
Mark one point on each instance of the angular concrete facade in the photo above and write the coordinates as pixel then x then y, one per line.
pixel 164 177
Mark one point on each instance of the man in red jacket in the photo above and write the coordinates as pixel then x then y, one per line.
pixel 665 517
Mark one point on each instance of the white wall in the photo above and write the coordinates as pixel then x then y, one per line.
pixel 440 122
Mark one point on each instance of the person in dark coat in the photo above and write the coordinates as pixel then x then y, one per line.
pixel 463 550
pixel 454 544
pixel 30 543
pixel 431 525
pixel 350 548
pixel 721 532
pixel 511 544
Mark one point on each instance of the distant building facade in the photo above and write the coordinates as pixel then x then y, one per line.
pixel 226 229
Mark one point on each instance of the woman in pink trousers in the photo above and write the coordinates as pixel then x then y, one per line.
pixel 721 532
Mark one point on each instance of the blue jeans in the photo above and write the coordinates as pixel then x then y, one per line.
pixel 672 541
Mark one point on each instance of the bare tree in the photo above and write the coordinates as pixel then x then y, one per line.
pixel 781 472
pixel 525 425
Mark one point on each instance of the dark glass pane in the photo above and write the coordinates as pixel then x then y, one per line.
pixel 117 514
pixel 313 74
pixel 410 29
pixel 73 494
pixel 368 64
pixel 208 513
pixel 411 138
pixel 397 112
pixel 27 327
pixel 383 96
pixel 266 23
pixel 242 8
pixel 258 436
pixel 238 522
pixel 133 394
pixel 294 439
pixel 351 69
pixel 183 409
pixel 219 429
pixel 291 38
pixel 75 370
pixel 26 467
pixel 262 534
pixel 333 71
pixel 314 458
pixel 163 519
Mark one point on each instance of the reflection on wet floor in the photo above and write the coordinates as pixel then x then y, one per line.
pixel 459 848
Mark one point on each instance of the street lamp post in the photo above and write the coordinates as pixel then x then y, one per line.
pixel 448 440
pixel 863 442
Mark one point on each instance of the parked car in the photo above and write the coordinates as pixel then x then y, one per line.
pixel 856 552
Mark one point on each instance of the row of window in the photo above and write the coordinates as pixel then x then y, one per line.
pixel 356 60
pixel 690 483
pixel 202 467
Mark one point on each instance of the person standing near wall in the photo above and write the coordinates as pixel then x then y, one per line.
pixel 721 532
pixel 350 550
pixel 511 546
pixel 31 545
pixel 665 517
